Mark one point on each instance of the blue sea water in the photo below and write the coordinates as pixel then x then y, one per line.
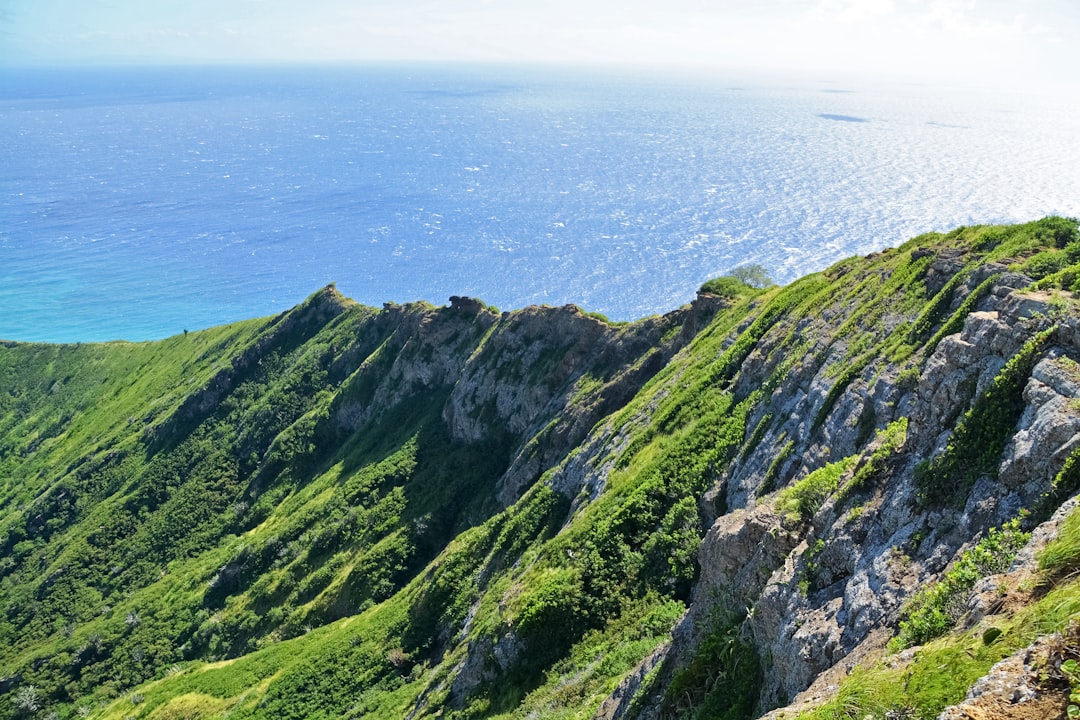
pixel 136 203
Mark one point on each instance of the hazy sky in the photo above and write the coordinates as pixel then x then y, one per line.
pixel 986 42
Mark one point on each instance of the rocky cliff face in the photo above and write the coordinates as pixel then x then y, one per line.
pixel 873 560
pixel 824 588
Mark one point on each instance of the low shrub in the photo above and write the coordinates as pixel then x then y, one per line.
pixel 934 611
pixel 722 679
pixel 803 499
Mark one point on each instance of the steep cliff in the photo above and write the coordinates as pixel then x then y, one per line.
pixel 773 502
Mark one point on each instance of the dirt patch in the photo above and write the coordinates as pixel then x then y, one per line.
pixel 1048 706
pixel 1028 685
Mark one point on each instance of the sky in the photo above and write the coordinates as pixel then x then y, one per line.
pixel 1025 43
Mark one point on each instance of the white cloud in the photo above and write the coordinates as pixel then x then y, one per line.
pixel 991 39
pixel 854 11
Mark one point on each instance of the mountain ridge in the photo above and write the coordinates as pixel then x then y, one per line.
pixel 418 511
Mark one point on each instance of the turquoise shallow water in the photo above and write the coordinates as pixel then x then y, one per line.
pixel 136 203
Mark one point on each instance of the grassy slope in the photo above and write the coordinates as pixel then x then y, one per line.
pixel 240 552
pixel 138 533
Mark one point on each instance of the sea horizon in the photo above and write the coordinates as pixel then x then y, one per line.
pixel 139 202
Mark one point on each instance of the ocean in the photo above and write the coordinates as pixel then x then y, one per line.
pixel 136 203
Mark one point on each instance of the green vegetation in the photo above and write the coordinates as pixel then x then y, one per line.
pixel 768 484
pixel 936 309
pixel 956 321
pixel 211 527
pixel 920 689
pixel 1071 669
pixel 754 275
pixel 934 611
pixel 588 673
pixel 981 434
pixel 721 680
pixel 1062 556
pixel 743 280
pixel 847 375
pixel 802 500
pixel 420 512
pixel 887 446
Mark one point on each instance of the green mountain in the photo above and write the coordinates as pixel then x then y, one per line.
pixel 849 496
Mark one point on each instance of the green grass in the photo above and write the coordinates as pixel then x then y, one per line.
pixel 721 679
pixel 575 685
pixel 1062 556
pixel 802 500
